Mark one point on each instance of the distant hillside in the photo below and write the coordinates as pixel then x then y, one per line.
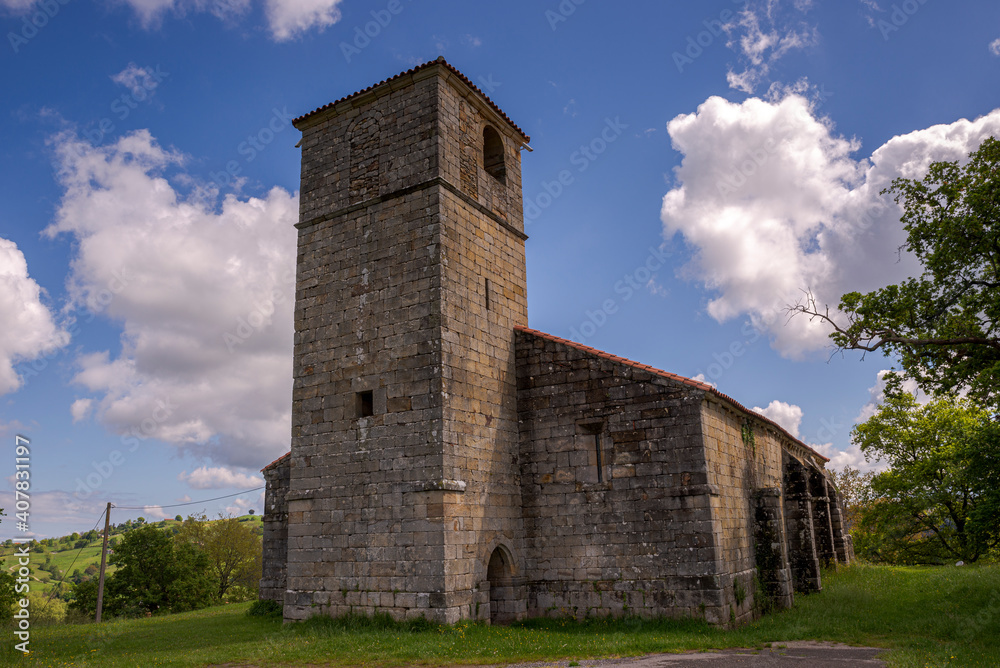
pixel 78 556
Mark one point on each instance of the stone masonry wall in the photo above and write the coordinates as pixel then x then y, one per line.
pixel 397 510
pixel 617 501
pixel 275 540
pixel 367 319
pixel 744 457
pixel 484 296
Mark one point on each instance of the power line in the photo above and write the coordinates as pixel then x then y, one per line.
pixel 70 569
pixel 189 503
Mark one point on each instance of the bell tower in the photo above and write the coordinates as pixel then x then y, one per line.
pixel 404 479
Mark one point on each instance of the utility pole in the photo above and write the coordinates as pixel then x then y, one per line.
pixel 104 561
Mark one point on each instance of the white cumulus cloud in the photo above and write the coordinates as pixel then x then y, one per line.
pixel 788 416
pixel 773 202
pixel 80 409
pixel 290 18
pixel 287 19
pixel 242 506
pixel 29 330
pixel 995 47
pixel 764 32
pixel 877 395
pixel 140 81
pixel 218 477
pixel 155 513
pixel 152 12
pixel 852 456
pixel 204 296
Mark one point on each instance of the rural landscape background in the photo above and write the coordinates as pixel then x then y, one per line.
pixel 714 188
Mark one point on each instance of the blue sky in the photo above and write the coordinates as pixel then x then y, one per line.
pixel 718 158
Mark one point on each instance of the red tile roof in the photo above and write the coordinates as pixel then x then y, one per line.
pixel 276 461
pixel 672 376
pixel 439 61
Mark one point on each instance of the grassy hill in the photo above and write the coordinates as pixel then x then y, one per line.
pixel 69 558
pixel 922 616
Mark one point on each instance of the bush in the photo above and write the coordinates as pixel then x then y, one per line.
pixel 45 610
pixel 7 597
pixel 265 608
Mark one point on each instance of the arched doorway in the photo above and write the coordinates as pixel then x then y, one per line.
pixel 500 574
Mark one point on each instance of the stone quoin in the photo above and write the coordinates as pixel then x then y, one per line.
pixel 449 462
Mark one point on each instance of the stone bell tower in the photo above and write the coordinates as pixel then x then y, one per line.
pixel 404 490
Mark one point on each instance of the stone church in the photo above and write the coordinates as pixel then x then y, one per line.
pixel 448 461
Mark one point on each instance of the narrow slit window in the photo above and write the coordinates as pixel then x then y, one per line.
pixel 493 160
pixel 487 291
pixel 600 458
pixel 366 403
pixel 593 431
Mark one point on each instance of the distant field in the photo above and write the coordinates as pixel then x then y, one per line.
pixel 924 617
pixel 69 559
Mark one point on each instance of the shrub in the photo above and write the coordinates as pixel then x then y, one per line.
pixel 265 608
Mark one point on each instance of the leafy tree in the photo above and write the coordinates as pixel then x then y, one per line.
pixel 178 518
pixel 85 597
pixel 8 596
pixel 234 551
pixel 939 500
pixel 82 543
pixel 854 488
pixel 155 575
pixel 945 325
pixel 46 609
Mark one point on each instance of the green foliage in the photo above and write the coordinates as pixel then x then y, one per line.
pixel 943 325
pixel 85 598
pixel 235 553
pixel 854 488
pixel 749 440
pixel 939 501
pixel 7 596
pixel 265 608
pixel 155 575
pixel 46 609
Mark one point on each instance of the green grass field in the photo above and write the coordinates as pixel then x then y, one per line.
pixel 923 616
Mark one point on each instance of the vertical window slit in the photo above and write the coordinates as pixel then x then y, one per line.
pixel 600 459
